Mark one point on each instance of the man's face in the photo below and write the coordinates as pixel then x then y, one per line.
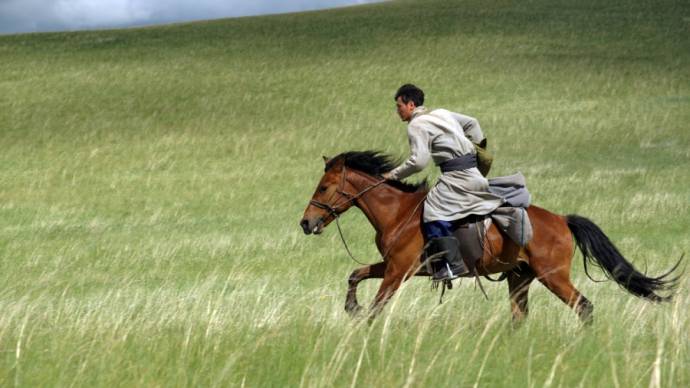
pixel 405 109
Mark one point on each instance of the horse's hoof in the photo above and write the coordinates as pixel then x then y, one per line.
pixel 354 310
pixel 517 323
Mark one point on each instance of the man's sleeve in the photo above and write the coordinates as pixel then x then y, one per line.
pixel 470 126
pixel 419 153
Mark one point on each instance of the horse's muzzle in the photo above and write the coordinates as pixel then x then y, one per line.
pixel 313 226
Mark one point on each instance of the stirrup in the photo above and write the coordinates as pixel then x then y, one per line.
pixel 446 272
pixel 443 259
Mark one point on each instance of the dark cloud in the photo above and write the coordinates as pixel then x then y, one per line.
pixel 18 16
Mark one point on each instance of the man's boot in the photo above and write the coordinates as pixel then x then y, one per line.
pixel 444 260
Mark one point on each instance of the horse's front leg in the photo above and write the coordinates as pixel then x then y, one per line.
pixel 397 271
pixel 367 272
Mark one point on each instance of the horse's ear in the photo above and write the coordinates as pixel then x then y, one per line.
pixel 326 159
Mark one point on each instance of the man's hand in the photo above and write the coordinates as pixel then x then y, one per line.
pixel 387 175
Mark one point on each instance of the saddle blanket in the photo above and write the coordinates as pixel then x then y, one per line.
pixel 512 188
pixel 514 222
pixel 511 218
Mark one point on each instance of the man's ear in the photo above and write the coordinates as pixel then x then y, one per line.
pixel 326 159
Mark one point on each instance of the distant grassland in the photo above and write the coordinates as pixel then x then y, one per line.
pixel 152 181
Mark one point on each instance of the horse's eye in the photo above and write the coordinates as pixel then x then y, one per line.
pixel 323 189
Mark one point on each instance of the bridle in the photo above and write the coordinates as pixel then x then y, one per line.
pixel 349 198
pixel 333 212
pixel 333 207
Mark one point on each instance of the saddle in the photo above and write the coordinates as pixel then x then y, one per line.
pixel 511 218
pixel 470 233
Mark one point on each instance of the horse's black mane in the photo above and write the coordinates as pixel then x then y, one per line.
pixel 375 163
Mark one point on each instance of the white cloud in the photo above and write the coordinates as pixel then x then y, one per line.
pixel 52 15
pixel 95 13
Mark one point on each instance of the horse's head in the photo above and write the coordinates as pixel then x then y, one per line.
pixel 330 199
pixel 348 177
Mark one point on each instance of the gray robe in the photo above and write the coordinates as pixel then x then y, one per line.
pixel 442 135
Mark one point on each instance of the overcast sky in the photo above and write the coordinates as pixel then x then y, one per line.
pixel 18 16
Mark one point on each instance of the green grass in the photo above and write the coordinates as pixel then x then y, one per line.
pixel 152 181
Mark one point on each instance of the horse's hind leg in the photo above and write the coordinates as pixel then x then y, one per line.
pixel 519 281
pixel 367 272
pixel 557 280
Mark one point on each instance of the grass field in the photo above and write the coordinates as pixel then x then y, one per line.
pixel 152 181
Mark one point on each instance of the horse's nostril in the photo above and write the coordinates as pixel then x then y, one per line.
pixel 305 226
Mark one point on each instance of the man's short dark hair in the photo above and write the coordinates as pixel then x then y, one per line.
pixel 409 92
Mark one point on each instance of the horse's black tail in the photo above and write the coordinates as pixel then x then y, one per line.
pixel 598 250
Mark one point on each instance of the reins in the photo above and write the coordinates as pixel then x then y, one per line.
pixel 333 211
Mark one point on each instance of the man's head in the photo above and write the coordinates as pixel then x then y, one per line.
pixel 407 98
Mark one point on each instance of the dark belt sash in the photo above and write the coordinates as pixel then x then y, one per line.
pixel 460 163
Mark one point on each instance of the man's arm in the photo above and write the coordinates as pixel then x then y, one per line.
pixel 470 126
pixel 419 154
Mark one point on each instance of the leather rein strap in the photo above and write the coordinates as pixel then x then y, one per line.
pixel 333 212
pixel 333 209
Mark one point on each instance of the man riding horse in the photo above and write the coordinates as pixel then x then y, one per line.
pixel 462 193
pixel 460 205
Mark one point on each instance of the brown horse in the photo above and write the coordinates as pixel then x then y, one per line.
pixel 395 211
